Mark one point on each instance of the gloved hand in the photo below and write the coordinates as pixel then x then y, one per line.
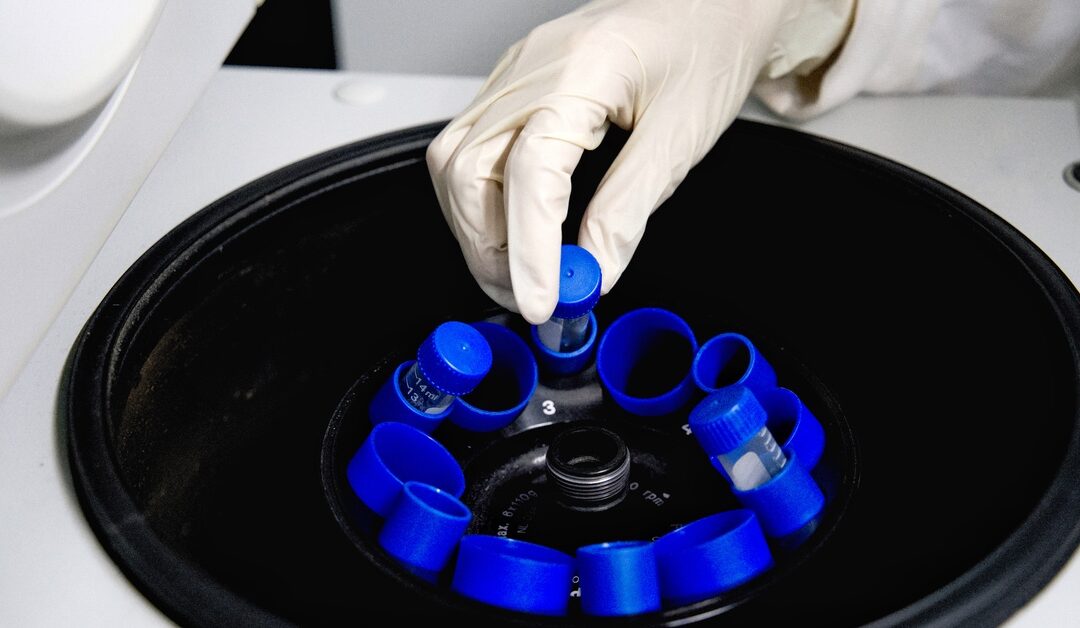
pixel 674 71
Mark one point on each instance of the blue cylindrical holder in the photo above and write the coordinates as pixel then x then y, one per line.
pixel 511 362
pixel 729 360
pixel 618 578
pixel 570 362
pixel 709 556
pixel 650 337
pixel 389 405
pixel 396 453
pixel 513 574
pixel 788 415
pixel 787 503
pixel 580 280
pixel 424 528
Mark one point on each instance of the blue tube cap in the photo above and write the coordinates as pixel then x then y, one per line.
pixel 396 453
pixel 424 528
pixel 643 350
pixel 390 405
pixel 732 360
pixel 569 362
pixel 709 556
pixel 513 366
pixel 726 419
pixel 513 574
pixel 803 434
pixel 579 282
pixel 787 503
pixel 454 358
pixel 618 578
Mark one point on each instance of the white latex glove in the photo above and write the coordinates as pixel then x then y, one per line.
pixel 674 71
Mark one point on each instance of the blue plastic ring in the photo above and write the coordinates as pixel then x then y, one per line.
pixel 709 367
pixel 628 341
pixel 618 578
pixel 787 503
pixel 389 405
pixel 570 362
pixel 424 528
pixel 513 574
pixel 709 556
pixel 510 355
pixel 788 416
pixel 396 453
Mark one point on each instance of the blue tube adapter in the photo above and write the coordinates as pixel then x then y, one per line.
pixel 396 453
pixel 513 574
pixel 424 528
pixel 709 556
pixel 565 342
pixel 618 578
pixel 788 415
pixel 643 361
pixel 732 360
pixel 513 367
pixel 730 425
pixel 450 363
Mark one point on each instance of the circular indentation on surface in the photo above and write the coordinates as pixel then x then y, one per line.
pixel 360 93
pixel 1072 175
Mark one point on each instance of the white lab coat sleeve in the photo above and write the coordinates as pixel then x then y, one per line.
pixel 999 47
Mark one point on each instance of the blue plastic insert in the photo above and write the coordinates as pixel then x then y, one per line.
pixel 513 574
pixel 513 364
pixel 424 528
pixel 396 453
pixel 709 556
pixel 618 578
pixel 729 360
pixel 644 361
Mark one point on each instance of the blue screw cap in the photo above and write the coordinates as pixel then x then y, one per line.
pixel 618 578
pixel 395 453
pixel 513 574
pixel 454 358
pixel 711 555
pixel 579 282
pixel 726 419
pixel 424 528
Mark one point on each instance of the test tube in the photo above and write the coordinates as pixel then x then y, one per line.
pixel 730 425
pixel 579 289
pixel 449 364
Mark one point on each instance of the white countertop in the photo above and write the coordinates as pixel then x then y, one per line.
pixel 1007 154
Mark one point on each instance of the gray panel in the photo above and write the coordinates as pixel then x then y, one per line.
pixel 433 36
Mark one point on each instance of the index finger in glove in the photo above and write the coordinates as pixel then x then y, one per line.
pixel 537 193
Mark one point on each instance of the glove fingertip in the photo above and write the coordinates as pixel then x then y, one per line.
pixel 609 268
pixel 536 308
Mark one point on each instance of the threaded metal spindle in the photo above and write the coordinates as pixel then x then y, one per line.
pixel 590 466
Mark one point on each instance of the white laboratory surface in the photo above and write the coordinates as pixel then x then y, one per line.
pixel 1007 154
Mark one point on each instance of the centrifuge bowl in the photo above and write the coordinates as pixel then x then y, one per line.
pixel 941 346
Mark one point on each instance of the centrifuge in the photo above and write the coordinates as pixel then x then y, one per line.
pixel 175 440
